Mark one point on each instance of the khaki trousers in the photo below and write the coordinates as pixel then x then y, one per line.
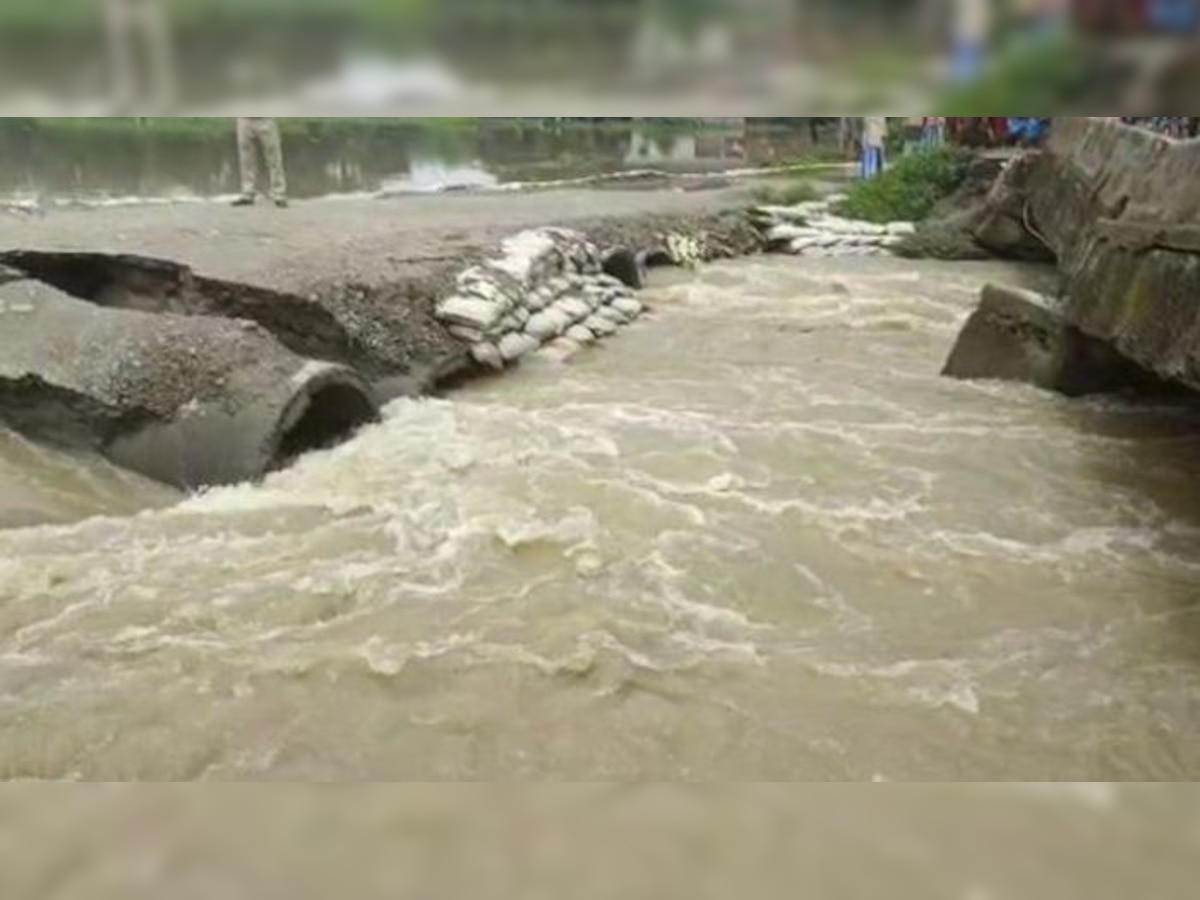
pixel 257 136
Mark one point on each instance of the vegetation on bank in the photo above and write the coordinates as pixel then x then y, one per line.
pixel 910 188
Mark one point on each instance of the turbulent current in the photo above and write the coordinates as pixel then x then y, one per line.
pixel 756 537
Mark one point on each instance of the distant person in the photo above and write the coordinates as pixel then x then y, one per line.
pixel 139 49
pixel 874 155
pixel 257 136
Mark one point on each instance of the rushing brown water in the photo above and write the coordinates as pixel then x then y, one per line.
pixel 756 537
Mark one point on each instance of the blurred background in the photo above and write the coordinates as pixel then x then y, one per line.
pixel 473 57
pixel 55 161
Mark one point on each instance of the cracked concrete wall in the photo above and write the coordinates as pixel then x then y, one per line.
pixel 1119 209
pixel 1119 205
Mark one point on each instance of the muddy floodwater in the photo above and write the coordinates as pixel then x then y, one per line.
pixel 756 537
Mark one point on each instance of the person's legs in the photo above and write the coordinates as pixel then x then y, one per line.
pixel 872 162
pixel 272 148
pixel 247 160
pixel 868 162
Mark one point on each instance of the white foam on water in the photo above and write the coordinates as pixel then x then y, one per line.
pixel 796 541
pixel 935 684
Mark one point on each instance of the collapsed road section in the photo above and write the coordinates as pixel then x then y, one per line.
pixel 196 381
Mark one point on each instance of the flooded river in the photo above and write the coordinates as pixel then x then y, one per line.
pixel 756 537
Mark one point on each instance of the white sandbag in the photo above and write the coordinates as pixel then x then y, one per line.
pixel 548 324
pixel 473 312
pixel 829 225
pixel 812 208
pixel 610 281
pixel 594 299
pixel 489 284
pixel 538 299
pixel 628 305
pixel 600 326
pixel 575 308
pixel 581 334
pixel 800 245
pixel 613 315
pixel 513 346
pixel 611 297
pixel 488 354
pixel 470 335
pixel 901 229
pixel 525 256
pixel 788 232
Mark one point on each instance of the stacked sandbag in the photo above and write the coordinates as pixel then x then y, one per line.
pixel 546 286
pixel 812 229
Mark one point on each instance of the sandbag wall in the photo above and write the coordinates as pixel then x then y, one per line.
pixel 545 286
pixel 814 230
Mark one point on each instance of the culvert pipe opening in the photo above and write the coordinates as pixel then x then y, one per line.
pixel 326 412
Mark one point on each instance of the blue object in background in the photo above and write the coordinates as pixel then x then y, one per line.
pixel 872 162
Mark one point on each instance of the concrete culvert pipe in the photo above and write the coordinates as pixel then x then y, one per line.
pixel 624 265
pixel 192 402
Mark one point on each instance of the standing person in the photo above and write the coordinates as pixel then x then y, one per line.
pixel 874 158
pixel 139 50
pixel 255 136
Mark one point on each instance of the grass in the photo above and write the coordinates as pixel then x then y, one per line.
pixel 909 189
